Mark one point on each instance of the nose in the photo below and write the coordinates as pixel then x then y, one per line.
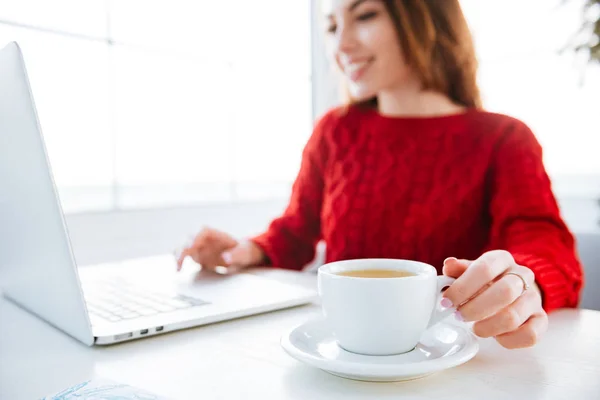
pixel 345 40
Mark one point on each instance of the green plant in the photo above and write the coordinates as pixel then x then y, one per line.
pixel 587 38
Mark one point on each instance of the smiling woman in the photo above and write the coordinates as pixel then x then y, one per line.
pixel 433 39
pixel 413 168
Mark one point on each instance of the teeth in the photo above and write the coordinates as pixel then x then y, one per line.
pixel 355 66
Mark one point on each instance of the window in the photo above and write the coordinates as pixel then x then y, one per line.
pixel 523 73
pixel 151 103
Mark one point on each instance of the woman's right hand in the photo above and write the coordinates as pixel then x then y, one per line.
pixel 212 248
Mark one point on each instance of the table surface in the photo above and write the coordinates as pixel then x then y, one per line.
pixel 242 359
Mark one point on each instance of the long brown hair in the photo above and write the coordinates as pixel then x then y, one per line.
pixel 437 45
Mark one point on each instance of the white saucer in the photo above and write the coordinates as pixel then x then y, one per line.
pixel 441 347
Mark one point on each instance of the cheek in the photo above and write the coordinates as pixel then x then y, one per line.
pixel 390 53
pixel 370 36
pixel 381 41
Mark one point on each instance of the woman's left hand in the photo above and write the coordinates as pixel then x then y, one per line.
pixel 487 291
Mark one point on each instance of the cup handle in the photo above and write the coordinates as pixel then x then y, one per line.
pixel 439 313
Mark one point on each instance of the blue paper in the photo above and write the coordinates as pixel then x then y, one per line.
pixel 102 389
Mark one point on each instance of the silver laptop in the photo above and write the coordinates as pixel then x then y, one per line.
pixel 95 304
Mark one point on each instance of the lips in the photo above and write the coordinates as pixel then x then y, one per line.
pixel 356 69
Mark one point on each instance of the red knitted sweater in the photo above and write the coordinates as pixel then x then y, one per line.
pixel 426 188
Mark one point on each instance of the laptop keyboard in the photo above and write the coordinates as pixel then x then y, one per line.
pixel 117 299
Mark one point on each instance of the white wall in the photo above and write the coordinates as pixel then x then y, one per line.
pixel 109 236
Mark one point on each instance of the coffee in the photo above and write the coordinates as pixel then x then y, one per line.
pixel 380 317
pixel 376 273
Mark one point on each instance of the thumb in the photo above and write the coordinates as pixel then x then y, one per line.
pixel 237 256
pixel 454 267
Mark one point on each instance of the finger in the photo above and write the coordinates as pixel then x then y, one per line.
pixel 480 273
pixel 212 235
pixel 527 335
pixel 200 256
pixel 236 256
pixel 218 271
pixel 181 257
pixel 497 296
pixel 185 251
pixel 454 267
pixel 509 318
pixel 201 238
pixel 207 258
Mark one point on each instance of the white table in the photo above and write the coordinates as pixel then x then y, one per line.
pixel 242 359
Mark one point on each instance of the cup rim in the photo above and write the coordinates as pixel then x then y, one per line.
pixel 325 269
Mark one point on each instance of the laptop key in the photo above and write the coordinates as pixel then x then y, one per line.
pixel 94 320
pixel 112 307
pixel 115 300
pixel 147 311
pixel 102 314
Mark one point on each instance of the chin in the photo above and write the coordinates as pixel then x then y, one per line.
pixel 361 93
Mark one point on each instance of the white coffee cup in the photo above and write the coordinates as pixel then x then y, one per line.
pixel 381 316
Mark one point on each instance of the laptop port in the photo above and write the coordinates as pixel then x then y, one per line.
pixel 123 336
pixel 143 331
pixel 159 328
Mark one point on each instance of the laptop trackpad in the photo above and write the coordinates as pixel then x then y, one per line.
pixel 233 288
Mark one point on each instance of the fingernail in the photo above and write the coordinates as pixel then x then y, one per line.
pixel 459 316
pixel 226 257
pixel 450 259
pixel 446 302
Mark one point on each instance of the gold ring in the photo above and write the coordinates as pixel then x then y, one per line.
pixel 525 284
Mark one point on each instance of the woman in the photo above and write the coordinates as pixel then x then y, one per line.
pixel 413 168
